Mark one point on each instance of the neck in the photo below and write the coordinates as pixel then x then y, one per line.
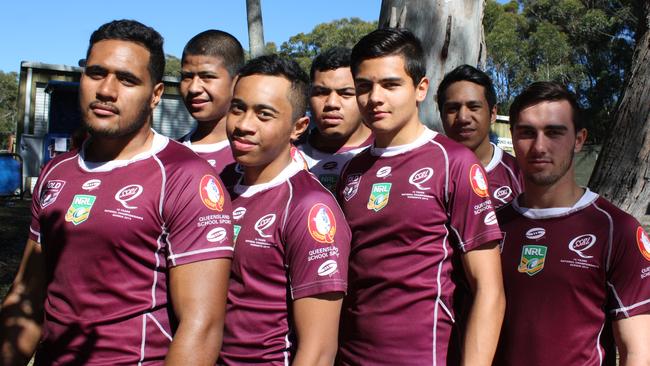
pixel 484 152
pixel 101 149
pixel 263 174
pixel 332 145
pixel 407 134
pixel 560 194
pixel 209 132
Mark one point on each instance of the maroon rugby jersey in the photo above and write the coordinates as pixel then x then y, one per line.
pixel 110 233
pixel 412 209
pixel 566 272
pixel 292 241
pixel 504 177
pixel 218 154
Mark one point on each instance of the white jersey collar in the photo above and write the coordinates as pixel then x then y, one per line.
pixel 426 136
pixel 159 142
pixel 247 191
pixel 496 158
pixel 204 148
pixel 548 213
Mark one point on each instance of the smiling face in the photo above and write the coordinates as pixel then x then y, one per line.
pixel 545 141
pixel 333 103
pixel 206 87
pixel 116 92
pixel 387 98
pixel 466 114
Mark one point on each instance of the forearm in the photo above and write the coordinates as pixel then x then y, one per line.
pixel 483 328
pixel 20 328
pixel 317 356
pixel 195 345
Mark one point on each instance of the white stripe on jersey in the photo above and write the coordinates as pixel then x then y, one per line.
pixel 164 332
pixel 598 348
pixel 624 309
pixel 199 251
pixel 38 234
pixel 610 236
pixel 144 336
pixel 155 270
pixel 444 152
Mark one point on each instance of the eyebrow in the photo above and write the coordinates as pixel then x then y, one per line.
pixel 237 101
pixel 121 74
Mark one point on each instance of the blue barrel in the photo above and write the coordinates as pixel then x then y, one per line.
pixel 11 172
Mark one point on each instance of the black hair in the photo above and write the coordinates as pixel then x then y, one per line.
pixel 275 65
pixel 389 42
pixel 331 59
pixel 545 91
pixel 219 44
pixel 471 74
pixel 134 31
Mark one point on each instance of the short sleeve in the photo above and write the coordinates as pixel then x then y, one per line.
pixel 628 275
pixel 317 242
pixel 198 215
pixel 471 212
pixel 43 190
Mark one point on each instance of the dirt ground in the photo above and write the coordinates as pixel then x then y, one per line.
pixel 14 228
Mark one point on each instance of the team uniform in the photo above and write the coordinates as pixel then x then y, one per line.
pixel 504 177
pixel 219 154
pixel 110 233
pixel 567 273
pixel 413 210
pixel 292 242
pixel 326 166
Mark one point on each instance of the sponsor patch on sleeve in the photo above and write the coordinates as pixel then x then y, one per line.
pixel 321 223
pixel 478 181
pixel 212 194
pixel 643 241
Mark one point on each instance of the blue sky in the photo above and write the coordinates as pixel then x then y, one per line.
pixel 57 32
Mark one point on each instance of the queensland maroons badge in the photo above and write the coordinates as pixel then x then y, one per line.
pixel 478 181
pixel 321 223
pixel 643 241
pixel 211 193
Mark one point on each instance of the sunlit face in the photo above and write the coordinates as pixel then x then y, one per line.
pixel 466 114
pixel 386 94
pixel 116 92
pixel 206 87
pixel 259 124
pixel 333 103
pixel 545 141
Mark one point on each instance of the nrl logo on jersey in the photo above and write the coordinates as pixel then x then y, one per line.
pixel 379 196
pixel 51 192
pixel 236 229
pixel 79 209
pixel 532 259
pixel 351 186
pixel 328 181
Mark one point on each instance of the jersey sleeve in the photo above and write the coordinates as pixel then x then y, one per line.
pixel 37 196
pixel 471 213
pixel 198 215
pixel 628 273
pixel 317 241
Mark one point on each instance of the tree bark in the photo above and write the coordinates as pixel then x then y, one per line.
pixel 451 33
pixel 255 28
pixel 622 172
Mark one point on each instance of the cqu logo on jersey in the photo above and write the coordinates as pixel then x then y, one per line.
pixel 264 223
pixel 643 241
pixel 211 193
pixel 503 193
pixel 127 194
pixel 384 172
pixel 490 218
pixel 238 213
pixel 217 234
pixel 581 243
pixel 321 223
pixel 535 233
pixel 420 177
pixel 330 165
pixel 532 259
pixel 327 268
pixel 51 192
pixel 478 181
pixel 79 209
pixel 91 184
pixel 379 196
pixel 351 186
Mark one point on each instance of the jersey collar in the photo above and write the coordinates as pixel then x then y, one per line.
pixel 496 158
pixel 548 213
pixel 247 191
pixel 159 143
pixel 426 136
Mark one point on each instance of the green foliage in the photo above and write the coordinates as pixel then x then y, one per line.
pixel 587 45
pixel 8 104
pixel 303 47
pixel 172 66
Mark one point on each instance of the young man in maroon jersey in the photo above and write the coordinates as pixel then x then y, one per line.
pixel 572 262
pixel 209 65
pixel 467 105
pixel 339 133
pixel 289 272
pixel 130 245
pixel 423 227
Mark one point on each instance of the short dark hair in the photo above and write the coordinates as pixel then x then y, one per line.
pixel 471 74
pixel 134 31
pixel 219 44
pixel 275 65
pixel 545 91
pixel 389 42
pixel 331 59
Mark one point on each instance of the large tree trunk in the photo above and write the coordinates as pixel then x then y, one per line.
pixel 451 33
pixel 622 173
pixel 255 27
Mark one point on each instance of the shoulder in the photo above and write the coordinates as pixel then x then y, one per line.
pixel 177 154
pixel 621 221
pixel 455 151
